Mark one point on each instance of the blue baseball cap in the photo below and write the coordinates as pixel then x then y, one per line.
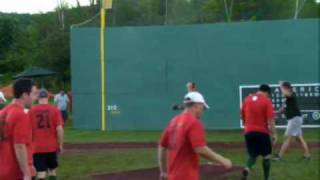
pixel 43 93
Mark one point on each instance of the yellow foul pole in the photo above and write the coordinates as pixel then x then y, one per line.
pixel 106 4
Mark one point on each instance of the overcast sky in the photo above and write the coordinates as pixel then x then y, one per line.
pixel 34 6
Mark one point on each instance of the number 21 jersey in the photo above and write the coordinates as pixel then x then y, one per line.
pixel 45 120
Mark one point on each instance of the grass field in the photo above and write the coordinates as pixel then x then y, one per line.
pixel 227 136
pixel 81 165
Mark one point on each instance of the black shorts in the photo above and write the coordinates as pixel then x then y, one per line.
pixel 64 115
pixel 2 106
pixel 45 161
pixel 258 144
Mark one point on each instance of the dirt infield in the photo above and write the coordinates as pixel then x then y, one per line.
pixel 206 171
pixel 104 146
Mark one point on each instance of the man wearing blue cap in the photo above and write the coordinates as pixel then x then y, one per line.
pixel 48 136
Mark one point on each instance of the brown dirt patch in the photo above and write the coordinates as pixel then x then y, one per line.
pixel 206 171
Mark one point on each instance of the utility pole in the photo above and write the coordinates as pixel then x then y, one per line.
pixel 166 13
pixel 298 8
pixel 228 9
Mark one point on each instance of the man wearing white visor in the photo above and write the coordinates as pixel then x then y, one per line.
pixel 183 142
pixel 195 97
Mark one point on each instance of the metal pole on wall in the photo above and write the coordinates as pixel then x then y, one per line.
pixel 106 4
pixel 166 14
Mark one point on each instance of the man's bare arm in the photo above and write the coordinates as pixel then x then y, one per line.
pixel 162 158
pixel 210 155
pixel 242 116
pixel 22 158
pixel 273 130
pixel 60 133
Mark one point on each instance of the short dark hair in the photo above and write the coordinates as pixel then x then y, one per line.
pixel 265 88
pixel 286 85
pixel 21 86
pixel 193 84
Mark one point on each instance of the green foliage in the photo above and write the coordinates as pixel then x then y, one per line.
pixel 43 39
pixel 37 40
pixel 10 49
pixel 8 34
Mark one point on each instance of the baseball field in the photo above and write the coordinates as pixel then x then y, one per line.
pixel 133 155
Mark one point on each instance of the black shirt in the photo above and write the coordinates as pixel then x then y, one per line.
pixel 292 110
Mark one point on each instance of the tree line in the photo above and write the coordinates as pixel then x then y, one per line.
pixel 43 39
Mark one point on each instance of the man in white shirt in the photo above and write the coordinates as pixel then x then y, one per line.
pixel 2 100
pixel 61 100
pixel 191 87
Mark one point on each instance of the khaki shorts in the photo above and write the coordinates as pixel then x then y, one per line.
pixel 294 126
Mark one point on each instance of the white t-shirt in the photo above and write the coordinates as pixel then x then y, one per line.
pixel 2 98
pixel 61 101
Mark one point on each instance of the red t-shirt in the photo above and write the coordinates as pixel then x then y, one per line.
pixel 45 120
pixel 256 111
pixel 184 133
pixel 15 128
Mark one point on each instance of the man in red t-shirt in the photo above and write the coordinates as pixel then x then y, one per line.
pixel 16 134
pixel 47 126
pixel 184 140
pixel 258 119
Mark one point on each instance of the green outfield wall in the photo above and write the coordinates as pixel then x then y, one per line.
pixel 147 69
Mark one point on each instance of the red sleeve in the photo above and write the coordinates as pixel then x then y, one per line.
pixel 197 135
pixel 243 114
pixel 31 115
pixel 22 131
pixel 164 141
pixel 270 112
pixel 59 121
